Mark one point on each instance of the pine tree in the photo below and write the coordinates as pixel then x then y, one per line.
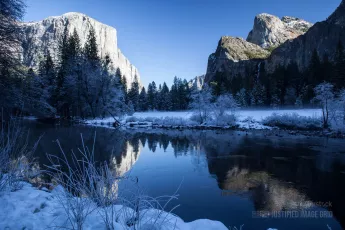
pixel 159 98
pixel 220 84
pixel 295 78
pixel 185 95
pixel 74 47
pixel 339 70
pixel 143 100
pixel 327 69
pixel 315 73
pixel 48 75
pixel 151 96
pixel 280 84
pixel 174 94
pixel 164 96
pixel 91 49
pixel 63 69
pixel 133 94
pixel 124 87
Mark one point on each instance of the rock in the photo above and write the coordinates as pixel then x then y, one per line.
pixel 288 39
pixel 270 32
pixel 323 36
pixel 196 83
pixel 234 56
pixel 43 36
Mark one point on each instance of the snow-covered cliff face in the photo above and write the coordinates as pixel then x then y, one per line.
pixel 43 36
pixel 270 31
pixel 197 83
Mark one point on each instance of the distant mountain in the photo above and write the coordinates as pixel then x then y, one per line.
pixel 277 42
pixel 269 31
pixel 43 36
pixel 197 82
pixel 322 37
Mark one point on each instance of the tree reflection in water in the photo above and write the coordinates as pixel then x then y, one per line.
pixel 276 173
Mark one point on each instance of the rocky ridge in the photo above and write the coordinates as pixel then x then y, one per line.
pixel 235 56
pixel 278 42
pixel 322 37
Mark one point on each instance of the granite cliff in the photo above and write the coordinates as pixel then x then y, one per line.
pixel 43 36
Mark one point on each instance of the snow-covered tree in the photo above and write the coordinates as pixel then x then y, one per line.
pixel 241 97
pixel 35 96
pixel 223 104
pixel 11 72
pixel 324 96
pixel 202 105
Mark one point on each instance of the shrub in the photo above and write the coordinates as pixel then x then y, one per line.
pixel 131 119
pixel 89 186
pixel 225 120
pixel 293 121
pixel 16 162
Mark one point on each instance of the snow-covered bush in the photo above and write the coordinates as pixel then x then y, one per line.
pixel 76 177
pixel 225 120
pixel 202 106
pixel 149 119
pixel 173 121
pixel 324 96
pixel 200 120
pixel 223 104
pixel 131 119
pixel 293 121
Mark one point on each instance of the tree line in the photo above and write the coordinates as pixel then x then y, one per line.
pixel 161 98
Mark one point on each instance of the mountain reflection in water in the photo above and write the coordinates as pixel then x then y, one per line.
pixel 225 175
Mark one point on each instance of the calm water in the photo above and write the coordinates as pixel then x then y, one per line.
pixel 227 176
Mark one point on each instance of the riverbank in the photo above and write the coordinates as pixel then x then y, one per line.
pixel 295 122
pixel 33 209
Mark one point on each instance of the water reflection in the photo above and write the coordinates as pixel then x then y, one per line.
pixel 227 175
pixel 276 174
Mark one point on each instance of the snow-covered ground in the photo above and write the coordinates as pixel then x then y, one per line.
pixel 249 119
pixel 33 209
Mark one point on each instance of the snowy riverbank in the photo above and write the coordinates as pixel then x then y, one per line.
pixel 245 119
pixel 33 209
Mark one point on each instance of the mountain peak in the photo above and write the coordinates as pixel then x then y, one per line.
pixel 338 17
pixel 271 31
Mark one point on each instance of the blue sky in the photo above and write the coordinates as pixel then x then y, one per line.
pixel 167 38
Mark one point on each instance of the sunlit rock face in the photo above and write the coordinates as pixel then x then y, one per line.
pixel 197 82
pixel 128 159
pixel 43 36
pixel 234 56
pixel 271 31
pixel 126 162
